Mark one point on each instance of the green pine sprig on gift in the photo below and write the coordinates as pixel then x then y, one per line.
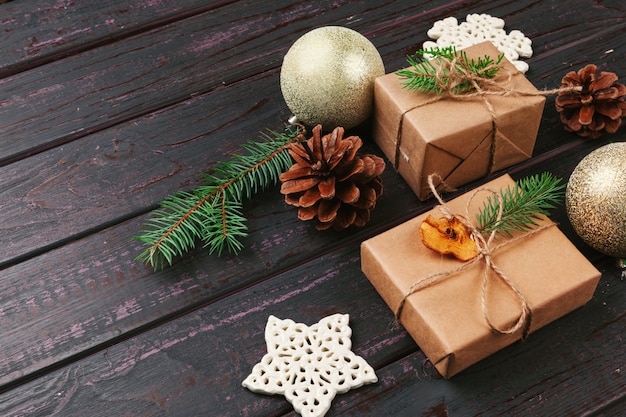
pixel 212 213
pixel 522 204
pixel 446 69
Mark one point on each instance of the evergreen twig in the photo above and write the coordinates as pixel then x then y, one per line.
pixel 453 69
pixel 522 204
pixel 212 213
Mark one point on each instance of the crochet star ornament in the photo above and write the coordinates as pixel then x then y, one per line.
pixel 309 365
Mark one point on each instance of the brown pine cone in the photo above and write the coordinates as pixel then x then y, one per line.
pixel 330 183
pixel 596 109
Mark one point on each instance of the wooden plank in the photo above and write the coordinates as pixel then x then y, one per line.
pixel 98 270
pixel 98 88
pixel 91 293
pixel 106 177
pixel 36 33
pixel 58 224
pixel 42 187
pixel 311 290
pixel 65 100
pixel 85 294
pixel 71 304
pixel 195 364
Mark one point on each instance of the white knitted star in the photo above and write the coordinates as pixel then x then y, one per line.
pixel 478 28
pixel 309 365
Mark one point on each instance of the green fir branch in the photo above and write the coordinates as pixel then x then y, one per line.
pixel 522 204
pixel 213 213
pixel 422 76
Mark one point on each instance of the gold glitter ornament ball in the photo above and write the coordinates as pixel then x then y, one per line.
pixel 595 199
pixel 327 77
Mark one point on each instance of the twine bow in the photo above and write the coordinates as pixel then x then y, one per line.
pixel 485 254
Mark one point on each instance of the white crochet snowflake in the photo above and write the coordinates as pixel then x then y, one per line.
pixel 309 365
pixel 478 28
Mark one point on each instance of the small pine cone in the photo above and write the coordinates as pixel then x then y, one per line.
pixel 329 183
pixel 595 109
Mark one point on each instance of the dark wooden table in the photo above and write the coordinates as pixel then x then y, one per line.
pixel 108 107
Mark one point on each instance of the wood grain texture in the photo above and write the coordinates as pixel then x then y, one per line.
pixel 72 186
pixel 230 331
pixel 207 353
pixel 150 70
pixel 39 32
pixel 51 172
pixel 100 121
pixel 130 295
pixel 167 64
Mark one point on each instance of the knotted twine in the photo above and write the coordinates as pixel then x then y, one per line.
pixel 452 77
pixel 485 253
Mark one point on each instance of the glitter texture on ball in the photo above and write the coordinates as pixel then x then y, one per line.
pixel 327 77
pixel 596 199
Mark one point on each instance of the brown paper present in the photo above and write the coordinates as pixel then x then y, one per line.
pixel 454 137
pixel 446 319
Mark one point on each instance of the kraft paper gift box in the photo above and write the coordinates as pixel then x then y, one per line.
pixel 446 319
pixel 422 134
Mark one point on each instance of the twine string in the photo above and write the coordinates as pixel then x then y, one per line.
pixel 486 249
pixel 452 75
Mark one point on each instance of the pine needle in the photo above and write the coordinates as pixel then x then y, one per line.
pixel 422 76
pixel 522 204
pixel 213 213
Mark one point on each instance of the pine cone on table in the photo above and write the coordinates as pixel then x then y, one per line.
pixel 329 183
pixel 595 109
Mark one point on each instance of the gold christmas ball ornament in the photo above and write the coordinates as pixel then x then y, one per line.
pixel 327 77
pixel 595 199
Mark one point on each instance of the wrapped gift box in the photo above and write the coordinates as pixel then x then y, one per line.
pixel 446 319
pixel 452 137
